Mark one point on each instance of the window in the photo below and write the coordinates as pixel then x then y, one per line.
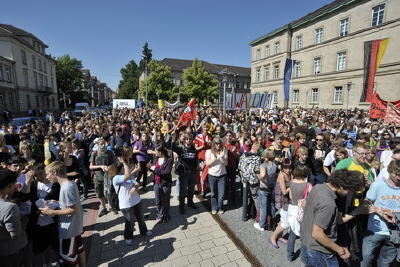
pixel 44 66
pixel 258 54
pixel 40 65
pixel 341 61
pixel 52 82
pixel 46 82
pixel 37 101
pixel 2 100
pixel 299 42
pixel 297 69
pixel 344 27
pixel 276 71
pixel 277 48
pixel 23 56
pixel 40 81
pixel 295 96
pixel 28 100
pixel 36 80
pixel 7 73
pixel 338 95
pixel 314 95
pixel 33 62
pixel 377 15
pixel 54 102
pixel 245 85
pixel 257 74
pixel 319 35
pixel 26 79
pixel 275 96
pixel 1 73
pixel 267 51
pixel 266 72
pixel 317 65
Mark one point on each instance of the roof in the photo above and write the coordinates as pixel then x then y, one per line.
pixel 325 10
pixel 17 32
pixel 181 64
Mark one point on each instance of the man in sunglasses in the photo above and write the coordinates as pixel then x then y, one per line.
pixel 316 160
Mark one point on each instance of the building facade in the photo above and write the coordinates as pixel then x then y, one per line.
pixel 237 79
pixel 28 74
pixel 96 92
pixel 327 47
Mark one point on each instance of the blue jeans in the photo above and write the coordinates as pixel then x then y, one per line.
pixel 380 247
pixel 187 182
pixel 318 178
pixel 130 214
pixel 266 206
pixel 217 185
pixel 290 245
pixel 162 195
pixel 314 258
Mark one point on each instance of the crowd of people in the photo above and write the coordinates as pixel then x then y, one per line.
pixel 330 178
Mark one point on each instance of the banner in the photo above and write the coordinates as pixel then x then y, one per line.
pixel 392 115
pixel 373 54
pixel 286 77
pixel 188 114
pixel 172 105
pixel 241 101
pixel 379 107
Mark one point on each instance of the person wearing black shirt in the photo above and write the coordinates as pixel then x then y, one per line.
pixel 316 159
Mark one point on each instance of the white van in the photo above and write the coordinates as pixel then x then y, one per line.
pixel 80 107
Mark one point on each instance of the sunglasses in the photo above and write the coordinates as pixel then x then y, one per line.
pixel 320 139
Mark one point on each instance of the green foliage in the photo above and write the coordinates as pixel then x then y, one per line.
pixel 198 83
pixel 69 75
pixel 129 85
pixel 158 84
pixel 146 57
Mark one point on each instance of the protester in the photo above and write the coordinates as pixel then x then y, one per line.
pixel 70 216
pixel 216 160
pixel 318 229
pixel 162 183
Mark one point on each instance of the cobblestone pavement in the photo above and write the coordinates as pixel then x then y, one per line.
pixel 192 239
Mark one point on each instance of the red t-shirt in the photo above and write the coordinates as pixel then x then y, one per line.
pixel 199 141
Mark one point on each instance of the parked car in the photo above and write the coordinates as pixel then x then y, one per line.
pixel 19 122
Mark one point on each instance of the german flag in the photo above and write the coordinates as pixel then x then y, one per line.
pixel 373 53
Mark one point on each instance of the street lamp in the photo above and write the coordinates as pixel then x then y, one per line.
pixel 224 74
pixel 349 84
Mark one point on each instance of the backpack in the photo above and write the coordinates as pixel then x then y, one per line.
pixel 114 202
pixel 249 166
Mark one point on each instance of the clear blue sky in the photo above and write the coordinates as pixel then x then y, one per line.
pixel 106 35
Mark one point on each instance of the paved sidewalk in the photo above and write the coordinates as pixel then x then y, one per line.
pixel 192 239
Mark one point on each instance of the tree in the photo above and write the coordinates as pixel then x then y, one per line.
pixel 158 84
pixel 199 83
pixel 69 75
pixel 129 85
pixel 146 57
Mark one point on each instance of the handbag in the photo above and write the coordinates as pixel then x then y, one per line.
pixel 302 203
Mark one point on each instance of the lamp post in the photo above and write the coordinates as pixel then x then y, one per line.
pixel 349 84
pixel 224 74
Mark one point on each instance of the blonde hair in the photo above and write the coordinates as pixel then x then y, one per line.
pixel 57 167
pixel 269 155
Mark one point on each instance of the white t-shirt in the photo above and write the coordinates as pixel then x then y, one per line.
pixel 386 158
pixel 218 167
pixel 43 190
pixel 125 199
pixel 330 158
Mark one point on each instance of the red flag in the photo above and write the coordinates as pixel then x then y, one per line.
pixel 188 114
